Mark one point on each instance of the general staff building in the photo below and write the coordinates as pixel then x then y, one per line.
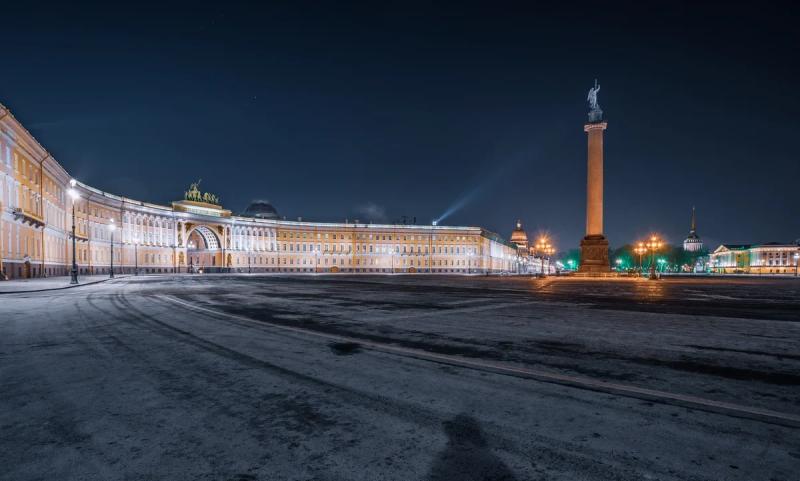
pixel 37 198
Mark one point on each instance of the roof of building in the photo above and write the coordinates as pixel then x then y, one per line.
pixel 744 247
pixel 737 247
pixel 261 209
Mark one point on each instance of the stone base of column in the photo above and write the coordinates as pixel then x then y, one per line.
pixel 594 254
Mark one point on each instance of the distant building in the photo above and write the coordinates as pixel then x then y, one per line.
pixel 693 243
pixel 527 262
pixel 769 258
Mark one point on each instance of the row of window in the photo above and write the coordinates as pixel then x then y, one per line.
pixel 381 236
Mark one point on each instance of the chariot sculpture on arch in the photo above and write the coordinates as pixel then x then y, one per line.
pixel 194 194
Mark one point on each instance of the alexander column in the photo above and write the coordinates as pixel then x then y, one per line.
pixel 594 247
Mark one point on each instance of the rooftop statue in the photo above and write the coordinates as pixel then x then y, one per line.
pixel 195 195
pixel 592 97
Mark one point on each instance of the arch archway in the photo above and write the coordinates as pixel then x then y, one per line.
pixel 209 238
pixel 203 249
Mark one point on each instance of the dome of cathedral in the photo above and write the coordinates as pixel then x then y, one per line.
pixel 261 209
pixel 519 236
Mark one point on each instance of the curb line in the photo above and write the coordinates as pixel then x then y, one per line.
pixel 70 286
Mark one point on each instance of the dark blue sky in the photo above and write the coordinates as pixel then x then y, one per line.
pixel 409 109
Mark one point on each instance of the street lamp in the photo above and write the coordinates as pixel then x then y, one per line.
pixel 796 259
pixel 546 249
pixel 111 228
pixel 641 250
pixel 136 255
pixel 191 245
pixel 653 245
pixel 73 193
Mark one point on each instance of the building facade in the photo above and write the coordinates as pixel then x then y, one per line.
pixel 195 234
pixel 770 258
pixel 528 262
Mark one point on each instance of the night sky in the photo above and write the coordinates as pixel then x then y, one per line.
pixel 388 109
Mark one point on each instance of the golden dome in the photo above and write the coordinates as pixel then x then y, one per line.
pixel 519 236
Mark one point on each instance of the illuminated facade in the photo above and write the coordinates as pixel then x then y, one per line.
pixel 196 234
pixel 770 258
pixel 527 262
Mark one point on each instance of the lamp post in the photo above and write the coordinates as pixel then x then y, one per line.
pixel 136 255
pixel 543 246
pixel 191 245
pixel 653 245
pixel 641 250
pixel 75 196
pixel 111 228
pixel 796 259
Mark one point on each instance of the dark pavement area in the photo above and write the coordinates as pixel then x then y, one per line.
pixel 193 377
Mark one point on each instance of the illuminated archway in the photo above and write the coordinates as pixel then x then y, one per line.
pixel 203 249
pixel 209 238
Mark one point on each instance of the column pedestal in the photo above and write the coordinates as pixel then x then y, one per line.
pixel 594 254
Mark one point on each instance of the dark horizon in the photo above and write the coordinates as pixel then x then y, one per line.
pixel 357 112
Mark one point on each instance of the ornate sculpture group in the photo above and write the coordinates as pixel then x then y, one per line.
pixel 195 195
